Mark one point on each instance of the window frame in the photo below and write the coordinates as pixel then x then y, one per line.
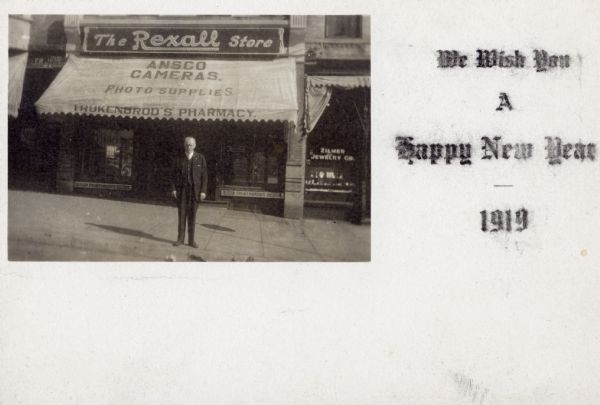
pixel 329 27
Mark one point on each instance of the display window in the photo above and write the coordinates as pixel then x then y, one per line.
pixel 335 150
pixel 106 155
pixel 329 170
pixel 240 156
pixel 254 155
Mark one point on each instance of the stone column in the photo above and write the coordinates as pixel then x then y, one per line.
pixel 66 154
pixel 66 164
pixel 295 168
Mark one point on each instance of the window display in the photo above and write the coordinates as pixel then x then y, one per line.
pixel 106 156
pixel 254 160
pixel 329 170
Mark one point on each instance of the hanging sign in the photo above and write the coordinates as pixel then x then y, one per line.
pixel 184 40
pixel 46 61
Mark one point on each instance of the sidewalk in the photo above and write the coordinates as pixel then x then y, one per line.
pixel 41 226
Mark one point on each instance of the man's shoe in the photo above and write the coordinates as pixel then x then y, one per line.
pixel 194 245
pixel 179 242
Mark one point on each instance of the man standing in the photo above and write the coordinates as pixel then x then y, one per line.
pixel 188 188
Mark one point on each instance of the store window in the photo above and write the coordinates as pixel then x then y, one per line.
pixel 336 151
pixel 342 26
pixel 329 170
pixel 254 157
pixel 106 156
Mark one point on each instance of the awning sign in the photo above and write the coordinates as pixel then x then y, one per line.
pixel 184 40
pixel 175 89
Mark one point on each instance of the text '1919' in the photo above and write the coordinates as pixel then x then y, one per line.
pixel 504 221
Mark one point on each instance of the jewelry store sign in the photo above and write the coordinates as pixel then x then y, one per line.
pixel 184 40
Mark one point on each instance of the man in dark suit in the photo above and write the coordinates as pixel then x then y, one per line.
pixel 188 188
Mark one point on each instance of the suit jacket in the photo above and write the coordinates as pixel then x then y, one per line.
pixel 199 175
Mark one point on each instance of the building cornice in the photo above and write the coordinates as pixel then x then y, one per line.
pixel 158 21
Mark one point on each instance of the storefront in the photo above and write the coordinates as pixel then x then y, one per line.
pixel 34 60
pixel 338 147
pixel 129 98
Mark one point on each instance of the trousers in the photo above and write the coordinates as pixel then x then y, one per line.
pixel 186 209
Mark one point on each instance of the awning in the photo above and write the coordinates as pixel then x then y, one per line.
pixel 16 74
pixel 318 94
pixel 345 82
pixel 174 89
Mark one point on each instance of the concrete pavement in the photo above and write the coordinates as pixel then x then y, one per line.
pixel 44 226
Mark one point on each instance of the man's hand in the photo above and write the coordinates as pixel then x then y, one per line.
pixel 202 196
pixel 174 193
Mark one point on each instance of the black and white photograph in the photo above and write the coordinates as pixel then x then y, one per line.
pixel 189 138
pixel 339 202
